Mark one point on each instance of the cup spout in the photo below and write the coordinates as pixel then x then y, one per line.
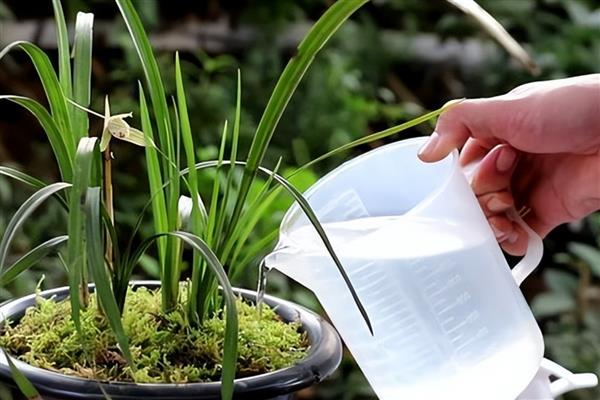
pixel 288 261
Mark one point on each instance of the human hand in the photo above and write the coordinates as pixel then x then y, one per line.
pixel 540 149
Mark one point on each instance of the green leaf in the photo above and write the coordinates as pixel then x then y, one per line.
pixel 589 254
pixel 214 201
pixel 247 223
pixel 82 71
pixel 26 209
pixel 378 135
pixel 22 382
pixel 60 147
pixel 155 180
pixel 561 281
pixel 197 217
pixel 52 87
pixel 95 259
pixel 152 74
pixel 170 258
pixel 29 180
pixel 310 214
pixel 62 39
pixel 314 41
pixel 552 303
pixel 231 318
pixel 30 259
pixel 233 158
pixel 22 177
pixel 76 249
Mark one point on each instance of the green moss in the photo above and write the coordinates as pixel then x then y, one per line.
pixel 164 347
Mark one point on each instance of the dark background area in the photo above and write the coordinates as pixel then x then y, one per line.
pixel 393 61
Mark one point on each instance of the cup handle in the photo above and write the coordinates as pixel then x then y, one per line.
pixel 535 247
pixel 535 250
pixel 566 380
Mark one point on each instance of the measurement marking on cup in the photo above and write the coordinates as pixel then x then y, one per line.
pixel 453 281
pixel 365 267
pixel 461 299
pixel 481 333
pixel 472 317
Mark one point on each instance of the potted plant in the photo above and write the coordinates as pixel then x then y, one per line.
pixel 105 336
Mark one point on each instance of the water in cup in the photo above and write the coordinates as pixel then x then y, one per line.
pixel 441 322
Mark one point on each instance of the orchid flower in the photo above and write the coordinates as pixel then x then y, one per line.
pixel 115 125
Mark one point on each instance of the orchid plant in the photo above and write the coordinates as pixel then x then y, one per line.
pixel 216 228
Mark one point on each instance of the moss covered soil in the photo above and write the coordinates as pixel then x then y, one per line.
pixel 165 348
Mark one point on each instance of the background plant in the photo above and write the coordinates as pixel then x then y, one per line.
pixel 393 60
pixel 216 235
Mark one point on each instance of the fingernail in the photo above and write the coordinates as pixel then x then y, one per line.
pixel 506 159
pixel 497 232
pixel 430 145
pixel 496 205
pixel 512 238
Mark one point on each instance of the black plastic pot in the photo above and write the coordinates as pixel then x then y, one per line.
pixel 324 357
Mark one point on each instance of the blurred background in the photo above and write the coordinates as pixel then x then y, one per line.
pixel 394 60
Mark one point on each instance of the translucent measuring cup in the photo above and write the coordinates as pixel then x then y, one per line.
pixel 448 317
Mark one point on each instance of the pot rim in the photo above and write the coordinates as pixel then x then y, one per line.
pixel 324 356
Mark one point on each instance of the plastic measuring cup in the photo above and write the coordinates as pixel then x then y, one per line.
pixel 449 319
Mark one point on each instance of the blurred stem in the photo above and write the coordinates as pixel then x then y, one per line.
pixel 585 278
pixel 108 203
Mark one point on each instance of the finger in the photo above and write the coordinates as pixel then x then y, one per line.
pixel 474 150
pixel 502 227
pixel 512 238
pixel 495 170
pixel 496 203
pixel 516 244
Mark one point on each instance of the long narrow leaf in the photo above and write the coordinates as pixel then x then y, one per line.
pixel 252 251
pixel 76 249
pixel 152 74
pixel 378 135
pixel 248 221
pixel 22 177
pixel 231 318
pixel 82 71
pixel 52 87
pixel 29 180
pixel 317 37
pixel 30 259
pixel 233 159
pixel 310 214
pixel 57 141
pixel 24 385
pixel 196 218
pixel 211 230
pixel 494 28
pixel 95 258
pixel 62 40
pixel 312 217
pixel 155 180
pixel 26 209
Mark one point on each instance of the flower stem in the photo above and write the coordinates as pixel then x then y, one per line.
pixel 108 203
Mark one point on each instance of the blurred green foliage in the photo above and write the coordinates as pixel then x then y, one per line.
pixel 372 75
